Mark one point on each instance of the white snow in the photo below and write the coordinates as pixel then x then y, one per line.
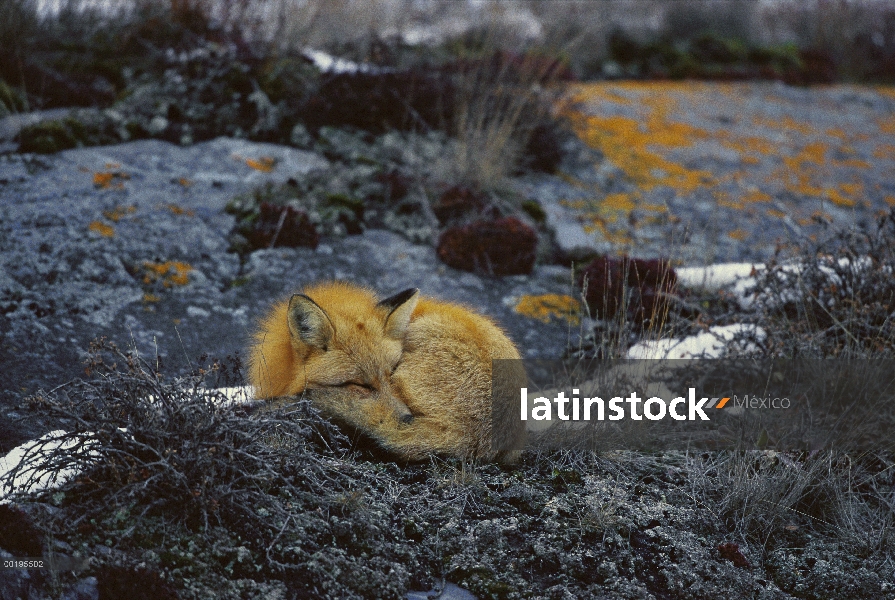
pixel 715 277
pixel 31 456
pixel 237 395
pixel 327 63
pixel 737 279
pixel 714 343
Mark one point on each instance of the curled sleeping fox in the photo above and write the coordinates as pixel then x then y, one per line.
pixel 412 373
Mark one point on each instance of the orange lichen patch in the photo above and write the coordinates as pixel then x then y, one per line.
pixel 170 273
pixel 102 229
pixel 786 123
pixel 265 164
pixel 777 214
pixel 633 145
pixel 890 200
pixel 547 307
pixel 577 204
pixel 889 92
pixel 149 298
pixel 820 215
pixel 755 195
pixel 119 212
pixel 185 182
pixel 618 202
pixel 803 173
pixel 886 125
pixel 724 199
pixel 179 210
pixel 852 189
pixel 840 195
pixel 750 144
pixel 837 132
pixel 105 180
pixel 738 234
pixel 884 151
pixel 854 163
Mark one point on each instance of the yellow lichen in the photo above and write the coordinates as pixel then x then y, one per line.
pixel 756 195
pixel 170 273
pixel 633 144
pixel 265 164
pixel 119 212
pixel 105 180
pixel 636 127
pixel 546 307
pixel 102 229
pixel 178 210
pixel 618 202
pixel 102 180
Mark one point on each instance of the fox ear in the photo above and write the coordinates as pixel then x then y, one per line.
pixel 401 306
pixel 309 323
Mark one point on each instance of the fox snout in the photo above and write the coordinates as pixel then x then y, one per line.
pixel 400 410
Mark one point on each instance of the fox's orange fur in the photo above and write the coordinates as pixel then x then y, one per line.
pixel 413 373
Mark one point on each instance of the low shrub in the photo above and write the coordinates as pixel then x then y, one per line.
pixel 505 246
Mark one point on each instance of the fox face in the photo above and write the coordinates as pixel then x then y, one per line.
pixel 336 343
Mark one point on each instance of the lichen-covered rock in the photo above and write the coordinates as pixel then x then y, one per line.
pixel 504 246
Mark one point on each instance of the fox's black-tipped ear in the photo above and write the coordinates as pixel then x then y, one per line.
pixel 401 306
pixel 309 323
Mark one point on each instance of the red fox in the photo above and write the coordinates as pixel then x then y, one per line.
pixel 413 373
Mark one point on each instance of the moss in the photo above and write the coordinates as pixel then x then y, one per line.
pixel 48 137
pixel 11 100
pixel 84 128
pixel 534 210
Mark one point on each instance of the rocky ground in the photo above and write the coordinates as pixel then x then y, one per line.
pixel 131 242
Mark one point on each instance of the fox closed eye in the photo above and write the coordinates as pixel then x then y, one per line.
pixel 363 386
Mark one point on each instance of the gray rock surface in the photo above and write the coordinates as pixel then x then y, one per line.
pixel 130 242
pixel 735 169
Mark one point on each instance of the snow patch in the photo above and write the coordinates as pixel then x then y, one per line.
pixel 26 464
pixel 24 468
pixel 714 343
